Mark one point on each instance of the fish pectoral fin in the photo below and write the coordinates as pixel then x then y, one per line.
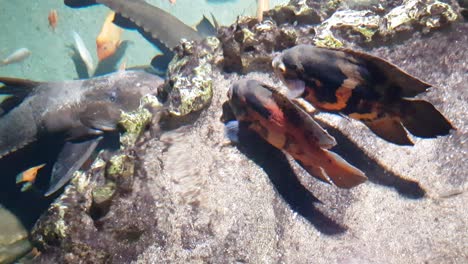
pixel 72 156
pixel 317 172
pixel 297 114
pixel 205 27
pixel 422 119
pixel 341 173
pixel 390 129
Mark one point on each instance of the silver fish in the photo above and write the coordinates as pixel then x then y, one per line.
pixel 84 53
pixel 16 56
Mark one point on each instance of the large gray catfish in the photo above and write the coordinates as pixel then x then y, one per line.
pixel 80 111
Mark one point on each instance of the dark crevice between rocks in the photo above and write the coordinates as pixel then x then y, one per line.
pixel 376 172
pixel 285 181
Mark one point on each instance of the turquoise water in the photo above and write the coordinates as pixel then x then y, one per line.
pixel 25 24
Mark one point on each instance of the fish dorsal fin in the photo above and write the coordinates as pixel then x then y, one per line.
pixel 410 85
pixel 313 131
pixel 205 27
pixel 13 92
pixel 15 85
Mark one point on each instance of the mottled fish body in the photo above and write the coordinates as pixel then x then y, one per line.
pixel 17 56
pixel 363 87
pixel 286 126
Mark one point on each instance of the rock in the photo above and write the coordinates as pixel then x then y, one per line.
pixel 190 85
pixel 196 199
pixel 14 241
pixel 427 14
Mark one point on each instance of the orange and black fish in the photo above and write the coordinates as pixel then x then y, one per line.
pixel 363 87
pixel 286 126
pixel 28 177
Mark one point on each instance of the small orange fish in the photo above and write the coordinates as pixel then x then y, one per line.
pixel 108 39
pixel 28 177
pixel 53 19
pixel 172 1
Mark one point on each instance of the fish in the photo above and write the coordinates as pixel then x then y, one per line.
pixel 28 177
pixel 159 27
pixel 172 1
pixel 160 24
pixel 286 126
pixel 84 53
pixel 17 56
pixel 108 39
pixel 363 87
pixel 262 5
pixel 78 113
pixel 53 19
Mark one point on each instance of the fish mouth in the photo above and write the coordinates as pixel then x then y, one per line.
pixel 105 126
pixel 295 89
pixel 295 86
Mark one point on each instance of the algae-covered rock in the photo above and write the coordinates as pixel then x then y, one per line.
pixel 190 84
pixel 301 13
pixel 365 23
pixel 428 14
pixel 70 223
pixel 248 45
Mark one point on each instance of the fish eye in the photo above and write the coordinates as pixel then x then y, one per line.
pixel 113 97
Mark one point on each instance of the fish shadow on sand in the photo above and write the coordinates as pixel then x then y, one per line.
pixel 285 180
pixel 375 172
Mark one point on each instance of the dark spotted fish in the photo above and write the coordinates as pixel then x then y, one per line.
pixel 286 126
pixel 363 87
pixel 78 112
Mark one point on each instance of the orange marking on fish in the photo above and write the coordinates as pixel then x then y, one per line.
pixel 30 174
pixel 53 19
pixel 364 116
pixel 342 96
pixel 108 39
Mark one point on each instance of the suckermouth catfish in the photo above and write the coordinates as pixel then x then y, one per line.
pixel 80 112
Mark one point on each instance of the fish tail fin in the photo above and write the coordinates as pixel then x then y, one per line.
pixel 336 170
pixel 390 129
pixel 422 119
